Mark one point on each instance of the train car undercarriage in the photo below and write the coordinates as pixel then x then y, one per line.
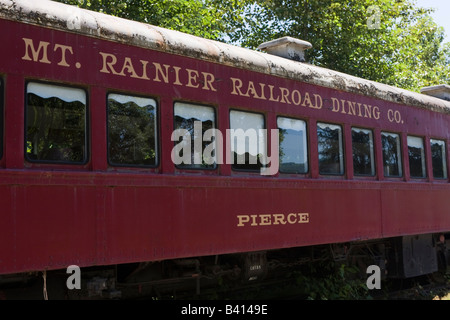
pixel 399 257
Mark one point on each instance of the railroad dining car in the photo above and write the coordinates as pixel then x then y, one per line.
pixel 154 159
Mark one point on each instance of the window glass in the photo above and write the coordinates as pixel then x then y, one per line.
pixel 131 131
pixel 363 156
pixel 293 145
pixel 416 152
pixel 55 123
pixel 392 157
pixel 195 123
pixel 330 148
pixel 248 141
pixel 438 156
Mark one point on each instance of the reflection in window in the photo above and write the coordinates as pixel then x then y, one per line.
pixel 55 123
pixel 416 152
pixel 248 141
pixel 363 157
pixel 438 156
pixel 330 148
pixel 131 131
pixel 293 147
pixel 392 159
pixel 196 120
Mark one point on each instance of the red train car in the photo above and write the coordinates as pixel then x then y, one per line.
pixel 126 147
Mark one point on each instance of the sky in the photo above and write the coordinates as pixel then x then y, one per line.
pixel 441 14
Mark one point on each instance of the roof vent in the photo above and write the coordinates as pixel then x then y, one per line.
pixel 441 91
pixel 287 47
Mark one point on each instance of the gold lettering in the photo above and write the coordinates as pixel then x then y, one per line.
pixel 128 65
pixel 376 113
pixel 254 216
pixel 336 106
pixel 243 220
pixel 177 76
pixel 272 219
pixel 359 110
pixel 208 81
pixel 262 85
pixel 159 71
pixel 284 95
pixel 144 70
pixel 296 97
pixel 251 90
pixel 279 218
pixel 192 77
pixel 63 48
pixel 108 67
pixel 343 106
pixel 307 100
pixel 303 218
pixel 319 101
pixel 394 116
pixel 265 220
pixel 237 85
pixel 351 108
pixel 271 95
pixel 367 111
pixel 29 46
pixel 293 216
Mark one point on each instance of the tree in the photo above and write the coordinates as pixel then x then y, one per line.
pixel 209 19
pixel 389 41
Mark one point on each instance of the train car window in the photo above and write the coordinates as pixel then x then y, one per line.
pixel 330 148
pixel 195 125
pixel 416 153
pixel 438 156
pixel 293 145
pixel 392 156
pixel 248 141
pixel 363 155
pixel 132 138
pixel 55 124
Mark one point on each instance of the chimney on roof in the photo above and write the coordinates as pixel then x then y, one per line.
pixel 287 47
pixel 441 91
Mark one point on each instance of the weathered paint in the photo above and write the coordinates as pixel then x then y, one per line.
pixel 57 215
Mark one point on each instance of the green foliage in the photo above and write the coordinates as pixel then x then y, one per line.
pixel 343 284
pixel 401 46
pixel 204 18
pixel 388 41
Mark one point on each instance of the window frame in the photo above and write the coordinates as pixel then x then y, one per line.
pixel 399 154
pixel 86 125
pixel 342 147
pixel 444 158
pixel 187 167
pixel 306 147
pixel 372 153
pixel 423 157
pixel 157 132
pixel 233 168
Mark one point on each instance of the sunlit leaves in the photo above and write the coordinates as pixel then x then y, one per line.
pixel 389 41
pixel 404 48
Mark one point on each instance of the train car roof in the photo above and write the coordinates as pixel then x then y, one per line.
pixel 73 19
